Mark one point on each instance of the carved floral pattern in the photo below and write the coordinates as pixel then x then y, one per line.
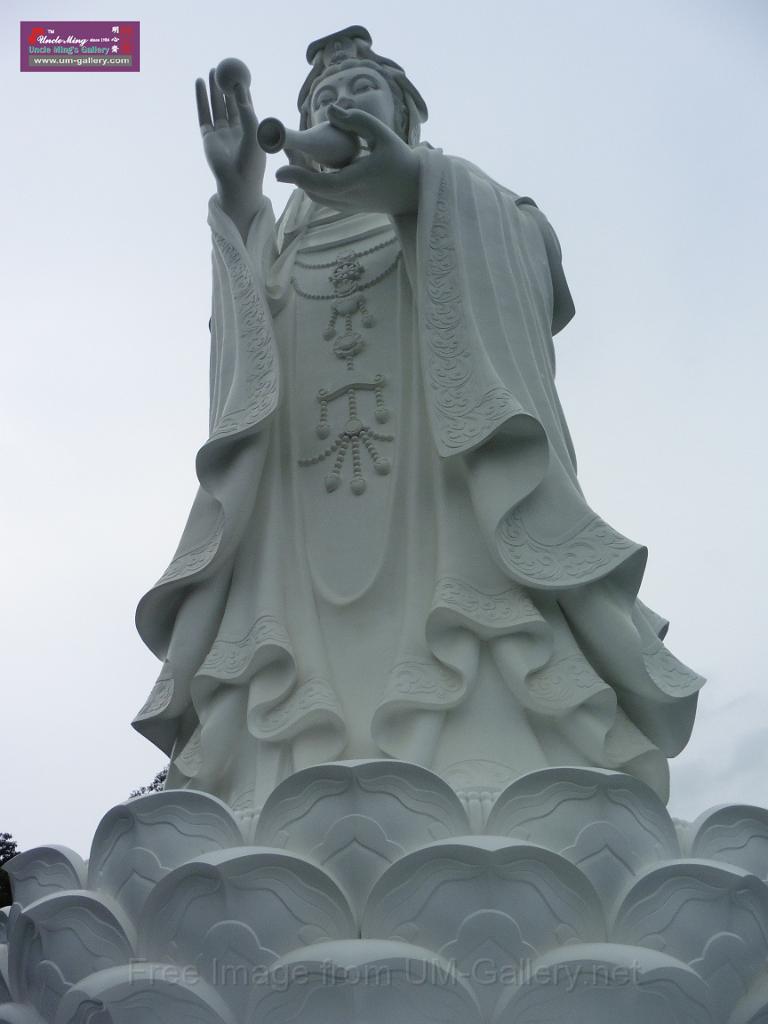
pixel 427 681
pixel 313 696
pixel 502 610
pixel 228 658
pixel 670 674
pixel 591 551
pixel 190 562
pixel 552 683
pixel 465 410
pixel 258 387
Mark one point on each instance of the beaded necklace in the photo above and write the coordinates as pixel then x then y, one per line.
pixel 347 297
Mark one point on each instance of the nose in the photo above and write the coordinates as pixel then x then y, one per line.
pixel 345 102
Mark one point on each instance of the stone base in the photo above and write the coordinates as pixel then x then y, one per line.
pixel 362 893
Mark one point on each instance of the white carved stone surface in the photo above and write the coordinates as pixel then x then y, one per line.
pixel 141 993
pixel 608 824
pixel 62 938
pixel 45 870
pixel 605 984
pixel 735 834
pixel 710 916
pixel 417 919
pixel 16 1013
pixel 240 909
pixel 377 982
pixel 357 818
pixel 137 843
pixel 486 904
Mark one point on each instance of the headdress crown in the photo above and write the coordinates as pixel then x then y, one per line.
pixel 355 43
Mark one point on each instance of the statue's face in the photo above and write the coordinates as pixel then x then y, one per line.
pixel 361 88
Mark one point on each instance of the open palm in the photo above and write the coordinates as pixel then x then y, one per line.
pixel 228 127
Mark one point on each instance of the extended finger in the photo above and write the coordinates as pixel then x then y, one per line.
pixel 317 181
pixel 203 110
pixel 360 122
pixel 245 108
pixel 228 97
pixel 217 99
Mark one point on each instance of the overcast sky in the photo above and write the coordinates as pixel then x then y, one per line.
pixel 638 126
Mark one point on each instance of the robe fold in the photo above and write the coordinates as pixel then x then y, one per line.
pixel 493 624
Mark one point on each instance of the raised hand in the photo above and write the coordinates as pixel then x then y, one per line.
pixel 228 127
pixel 385 181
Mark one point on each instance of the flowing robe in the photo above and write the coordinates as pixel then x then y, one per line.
pixel 465 608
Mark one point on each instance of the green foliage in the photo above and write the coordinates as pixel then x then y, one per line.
pixel 8 849
pixel 156 785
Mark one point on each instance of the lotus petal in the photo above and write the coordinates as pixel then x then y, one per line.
pixel 734 834
pixel 607 823
pixel 603 984
pixel 363 980
pixel 17 1013
pixel 488 904
pixel 60 939
pixel 705 914
pixel 138 842
pixel 356 818
pixel 140 993
pixel 231 914
pixel 43 871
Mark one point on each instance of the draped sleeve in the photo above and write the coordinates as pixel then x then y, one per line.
pixel 177 615
pixel 490 290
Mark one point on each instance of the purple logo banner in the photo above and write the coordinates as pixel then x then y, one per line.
pixel 79 45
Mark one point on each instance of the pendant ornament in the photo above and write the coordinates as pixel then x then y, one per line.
pixel 347 298
pixel 355 437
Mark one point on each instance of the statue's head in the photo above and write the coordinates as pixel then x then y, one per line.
pixel 346 70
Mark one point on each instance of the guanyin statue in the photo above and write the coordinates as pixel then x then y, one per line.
pixel 389 554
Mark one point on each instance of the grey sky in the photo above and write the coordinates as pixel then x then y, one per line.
pixel 638 126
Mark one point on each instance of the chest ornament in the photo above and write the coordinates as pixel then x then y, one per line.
pixel 355 437
pixel 348 297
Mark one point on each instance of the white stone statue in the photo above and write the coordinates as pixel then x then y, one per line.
pixel 418 720
pixel 389 554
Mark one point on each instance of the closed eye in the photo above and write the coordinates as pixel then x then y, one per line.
pixel 324 98
pixel 363 85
